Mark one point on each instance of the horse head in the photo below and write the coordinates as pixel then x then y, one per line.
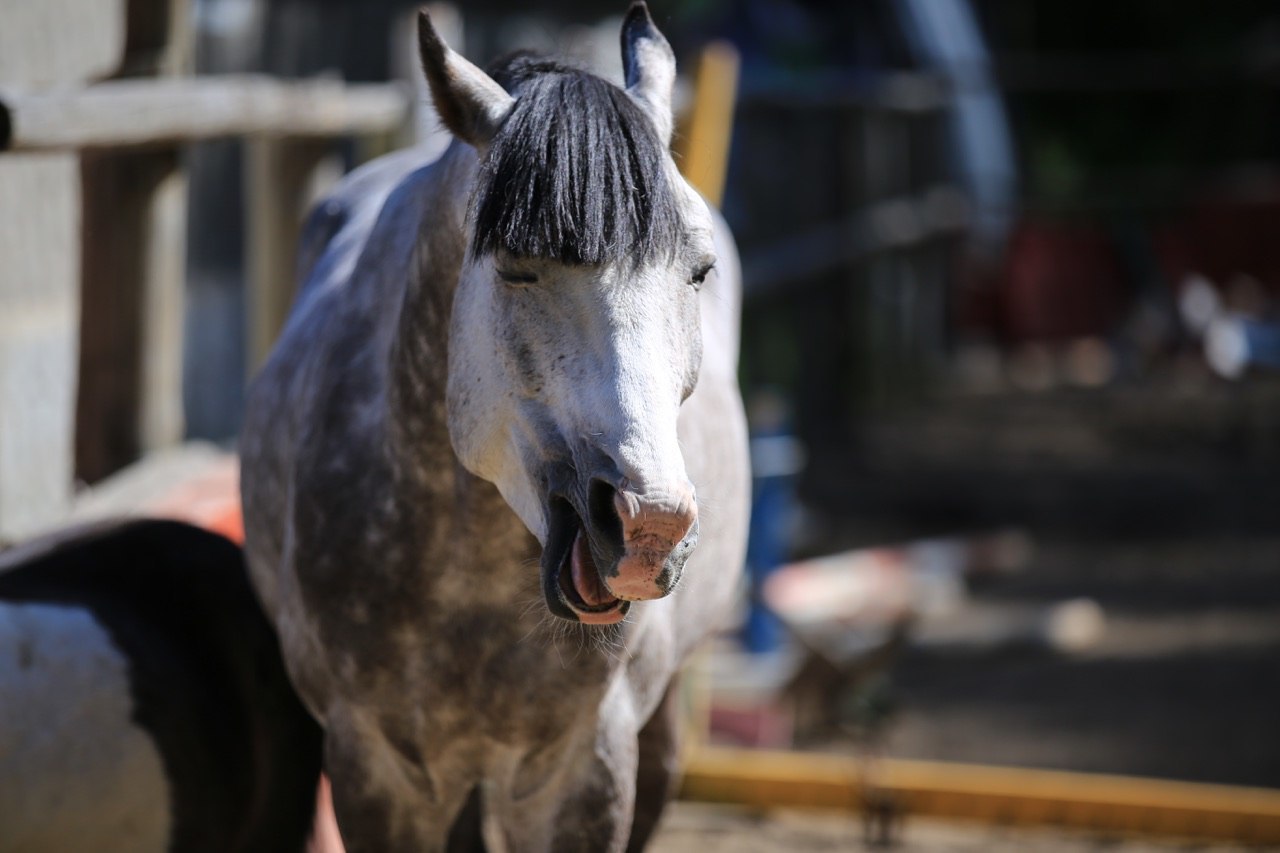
pixel 575 331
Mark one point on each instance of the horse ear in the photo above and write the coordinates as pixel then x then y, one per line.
pixel 650 67
pixel 469 102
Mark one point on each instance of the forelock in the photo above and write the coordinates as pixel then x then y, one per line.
pixel 576 173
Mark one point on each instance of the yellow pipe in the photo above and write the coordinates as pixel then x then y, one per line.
pixel 1005 795
pixel 703 147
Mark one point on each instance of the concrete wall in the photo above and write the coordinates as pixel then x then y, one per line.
pixel 39 336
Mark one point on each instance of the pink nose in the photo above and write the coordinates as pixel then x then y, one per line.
pixel 653 526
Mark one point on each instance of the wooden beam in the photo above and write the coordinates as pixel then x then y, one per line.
pixel 133 252
pixel 141 112
pixel 1006 795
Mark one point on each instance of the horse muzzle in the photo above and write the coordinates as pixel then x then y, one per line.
pixel 659 533
pixel 614 547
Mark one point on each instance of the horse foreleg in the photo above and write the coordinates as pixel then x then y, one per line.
pixel 383 799
pixel 584 796
pixel 658 769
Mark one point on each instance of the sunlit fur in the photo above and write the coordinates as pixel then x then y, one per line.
pixel 484 340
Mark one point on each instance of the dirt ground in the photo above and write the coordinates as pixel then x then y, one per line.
pixel 1183 683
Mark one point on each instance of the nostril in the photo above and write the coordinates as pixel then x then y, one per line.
pixel 604 518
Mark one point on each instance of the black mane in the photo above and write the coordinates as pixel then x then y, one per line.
pixel 576 172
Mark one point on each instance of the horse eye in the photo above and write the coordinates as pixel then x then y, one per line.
pixel 701 275
pixel 517 277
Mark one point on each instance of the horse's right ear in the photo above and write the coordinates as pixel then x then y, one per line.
pixel 650 67
pixel 469 102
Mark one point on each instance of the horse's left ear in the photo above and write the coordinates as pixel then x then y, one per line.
pixel 650 67
pixel 469 102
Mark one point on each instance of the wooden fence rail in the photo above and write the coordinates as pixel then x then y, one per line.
pixel 151 112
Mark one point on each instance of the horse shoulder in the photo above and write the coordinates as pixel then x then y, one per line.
pixel 352 205
pixel 327 361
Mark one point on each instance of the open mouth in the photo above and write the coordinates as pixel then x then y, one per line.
pixel 571 581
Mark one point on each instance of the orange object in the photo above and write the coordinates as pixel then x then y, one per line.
pixel 210 499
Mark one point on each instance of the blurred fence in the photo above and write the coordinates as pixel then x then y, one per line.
pixel 97 108
pixel 96 141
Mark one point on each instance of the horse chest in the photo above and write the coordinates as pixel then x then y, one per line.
pixel 464 664
pixel 485 665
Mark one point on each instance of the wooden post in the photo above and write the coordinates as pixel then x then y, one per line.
pixel 703 147
pixel 278 190
pixel 125 238
pixel 160 414
pixel 130 392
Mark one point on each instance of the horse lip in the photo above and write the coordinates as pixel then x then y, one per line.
pixel 562 528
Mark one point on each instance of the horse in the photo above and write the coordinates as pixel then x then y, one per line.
pixel 494 472
pixel 144 705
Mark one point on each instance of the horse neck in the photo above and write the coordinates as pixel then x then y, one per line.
pixel 421 452
pixel 419 352
pixel 463 510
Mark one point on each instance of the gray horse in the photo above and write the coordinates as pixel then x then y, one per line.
pixel 500 418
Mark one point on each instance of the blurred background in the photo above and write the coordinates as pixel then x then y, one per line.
pixel 1011 336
